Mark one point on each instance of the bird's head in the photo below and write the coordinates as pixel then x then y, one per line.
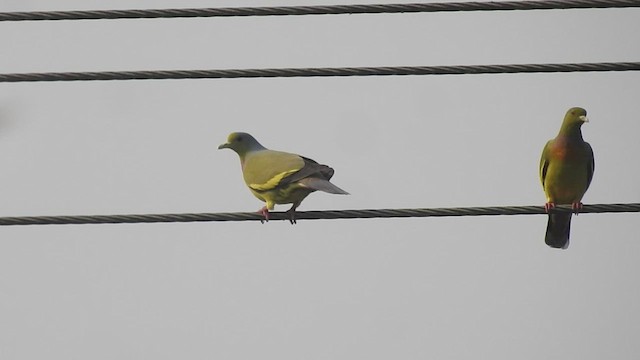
pixel 576 117
pixel 241 143
pixel 573 121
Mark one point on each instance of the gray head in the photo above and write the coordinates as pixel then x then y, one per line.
pixel 241 143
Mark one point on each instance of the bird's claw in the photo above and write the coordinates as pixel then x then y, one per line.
pixel 291 213
pixel 265 214
pixel 548 206
pixel 576 207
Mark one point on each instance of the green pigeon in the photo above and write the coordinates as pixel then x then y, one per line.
pixel 277 177
pixel 566 170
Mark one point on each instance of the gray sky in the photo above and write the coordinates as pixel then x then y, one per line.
pixel 448 288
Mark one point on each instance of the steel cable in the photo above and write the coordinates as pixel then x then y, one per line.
pixel 320 72
pixel 315 10
pixel 312 215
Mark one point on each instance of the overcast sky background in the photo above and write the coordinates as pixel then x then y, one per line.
pixel 447 288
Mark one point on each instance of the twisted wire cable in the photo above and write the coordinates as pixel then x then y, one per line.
pixel 314 215
pixel 315 10
pixel 321 72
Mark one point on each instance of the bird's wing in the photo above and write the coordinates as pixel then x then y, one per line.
pixel 591 167
pixel 265 169
pixel 310 169
pixel 313 176
pixel 544 162
pixel 268 169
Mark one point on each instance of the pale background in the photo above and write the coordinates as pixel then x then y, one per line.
pixel 445 288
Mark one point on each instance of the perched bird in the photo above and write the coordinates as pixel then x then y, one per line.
pixel 566 170
pixel 277 177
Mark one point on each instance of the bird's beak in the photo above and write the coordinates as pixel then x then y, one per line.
pixel 223 146
pixel 584 118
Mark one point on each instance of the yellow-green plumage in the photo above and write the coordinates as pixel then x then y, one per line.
pixel 277 177
pixel 263 172
pixel 566 170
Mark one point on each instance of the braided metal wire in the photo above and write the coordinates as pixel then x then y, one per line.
pixel 313 215
pixel 320 72
pixel 315 10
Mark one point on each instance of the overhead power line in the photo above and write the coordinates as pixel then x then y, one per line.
pixel 320 72
pixel 312 215
pixel 315 10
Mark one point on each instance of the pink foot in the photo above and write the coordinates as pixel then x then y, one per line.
pixel 548 206
pixel 265 213
pixel 576 207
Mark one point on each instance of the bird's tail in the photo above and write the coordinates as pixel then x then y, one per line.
pixel 558 228
pixel 322 185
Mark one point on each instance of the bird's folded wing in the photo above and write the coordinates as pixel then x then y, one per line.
pixel 310 169
pixel 544 162
pixel 266 169
pixel 592 163
pixel 271 169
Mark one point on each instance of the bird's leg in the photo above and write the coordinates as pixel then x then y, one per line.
pixel 548 206
pixel 292 214
pixel 265 213
pixel 576 207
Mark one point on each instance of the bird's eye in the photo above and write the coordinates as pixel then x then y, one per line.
pixel 239 138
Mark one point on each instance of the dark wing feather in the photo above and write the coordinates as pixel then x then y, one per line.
pixel 310 169
pixel 592 164
pixel 544 162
